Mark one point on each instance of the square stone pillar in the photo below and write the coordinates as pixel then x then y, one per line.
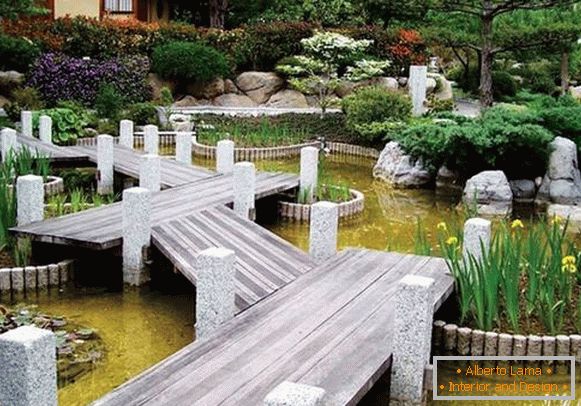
pixel 126 129
pixel 244 186
pixel 184 148
pixel 8 142
pixel 151 140
pixel 295 394
pixel 225 156
pixel 418 88
pixel 45 129
pixel 28 374
pixel 414 307
pixel 105 160
pixel 29 199
pixel 215 290
pixel 324 227
pixel 150 172
pixel 477 236
pixel 136 234
pixel 26 123
pixel 309 173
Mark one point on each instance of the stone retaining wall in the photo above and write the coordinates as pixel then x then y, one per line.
pixel 32 279
pixel 302 212
pixel 449 339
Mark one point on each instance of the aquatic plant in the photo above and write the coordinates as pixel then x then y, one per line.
pixel 22 252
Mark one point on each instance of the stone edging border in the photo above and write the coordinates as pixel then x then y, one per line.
pixel 350 149
pixel 302 212
pixel 450 339
pixel 254 154
pixel 54 186
pixel 31 279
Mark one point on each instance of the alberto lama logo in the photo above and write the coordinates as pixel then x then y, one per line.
pixel 477 370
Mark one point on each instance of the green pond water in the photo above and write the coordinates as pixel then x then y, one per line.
pixel 140 328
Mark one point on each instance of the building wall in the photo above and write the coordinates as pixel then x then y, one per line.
pixel 89 8
pixel 158 10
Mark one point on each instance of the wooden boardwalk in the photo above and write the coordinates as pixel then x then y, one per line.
pixel 264 261
pixel 54 152
pixel 101 228
pixel 126 161
pixel 331 328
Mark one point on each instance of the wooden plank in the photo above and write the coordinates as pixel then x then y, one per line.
pixel 54 152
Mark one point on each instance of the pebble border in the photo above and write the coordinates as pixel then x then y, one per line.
pixel 450 339
pixel 54 186
pixel 302 212
pixel 32 279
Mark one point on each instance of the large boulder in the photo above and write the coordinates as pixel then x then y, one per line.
pixel 9 81
pixel 259 86
pixel 575 91
pixel 230 87
pixel 444 89
pixel 187 101
pixel 400 170
pixel 181 122
pixel 562 182
pixel 448 182
pixel 288 99
pixel 572 214
pixel 431 85
pixel 206 90
pixel 345 88
pixel 523 190
pixel 489 192
pixel 233 100
pixel 156 84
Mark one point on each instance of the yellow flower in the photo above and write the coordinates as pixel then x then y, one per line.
pixel 442 226
pixel 556 220
pixel 517 224
pixel 569 260
pixel 452 241
pixel 571 268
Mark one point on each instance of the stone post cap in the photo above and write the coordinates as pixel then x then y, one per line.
pixel 29 178
pixel 309 149
pixel 225 143
pixel 417 281
pixel 295 394
pixel 418 67
pixel 45 117
pixel 26 334
pixel 125 121
pixel 104 137
pixel 150 127
pixel 217 252
pixel 244 165
pixel 325 205
pixel 150 157
pixel 479 222
pixel 8 131
pixel 136 191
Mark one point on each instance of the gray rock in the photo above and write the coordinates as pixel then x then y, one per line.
pixel 230 87
pixel 575 91
pixel 9 81
pixel 259 86
pixel 156 84
pixel 288 99
pixel 206 90
pixel 402 81
pixel 562 182
pixel 445 91
pixel 490 192
pixel 399 169
pixel 523 190
pixel 477 237
pixel 448 182
pixel 181 122
pixel 187 101
pixel 570 213
pixel 234 100
pixel 431 85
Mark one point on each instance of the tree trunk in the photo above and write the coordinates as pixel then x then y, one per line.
pixel 564 72
pixel 218 9
pixel 487 59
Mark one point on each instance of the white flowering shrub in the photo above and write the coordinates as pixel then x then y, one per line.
pixel 328 59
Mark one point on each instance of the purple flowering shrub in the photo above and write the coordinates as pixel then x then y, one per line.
pixel 58 77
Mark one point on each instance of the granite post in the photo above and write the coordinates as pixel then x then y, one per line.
pixel 324 226
pixel 215 290
pixel 309 173
pixel 477 236
pixel 126 133
pixel 184 148
pixel 151 140
pixel 244 186
pixel 29 199
pixel 45 129
pixel 150 172
pixel 136 234
pixel 26 123
pixel 8 142
pixel 225 156
pixel 105 164
pixel 417 87
pixel 295 394
pixel 28 375
pixel 414 305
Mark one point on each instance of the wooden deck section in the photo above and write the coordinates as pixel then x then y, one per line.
pixel 264 261
pixel 330 328
pixel 54 152
pixel 100 228
pixel 126 161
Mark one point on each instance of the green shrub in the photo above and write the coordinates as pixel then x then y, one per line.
pixel 17 53
pixel 501 139
pixel 109 102
pixel 539 77
pixel 67 125
pixel 504 85
pixel 372 105
pixel 189 61
pixel 25 98
pixel 142 114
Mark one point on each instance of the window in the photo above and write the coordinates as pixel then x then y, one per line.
pixel 119 6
